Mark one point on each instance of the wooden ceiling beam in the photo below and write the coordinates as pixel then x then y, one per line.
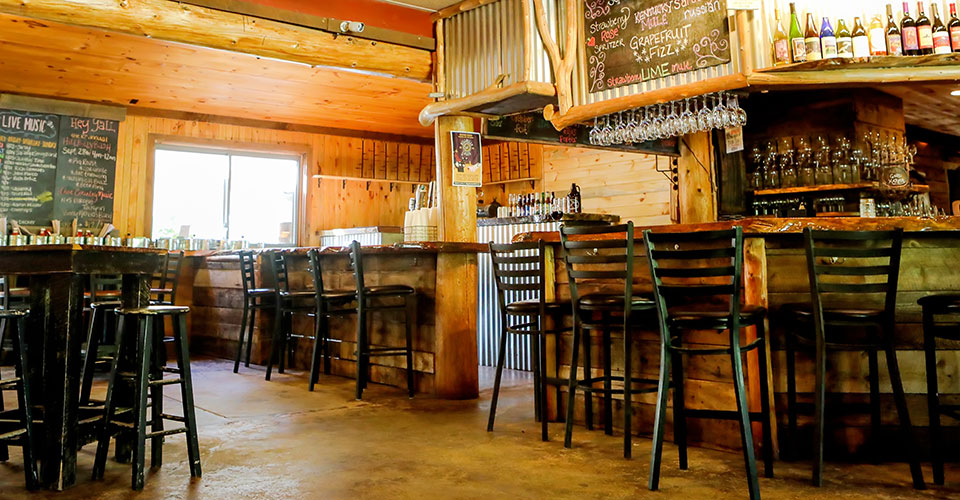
pixel 182 23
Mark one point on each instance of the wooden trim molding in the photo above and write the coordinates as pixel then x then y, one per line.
pixel 487 96
pixel 459 9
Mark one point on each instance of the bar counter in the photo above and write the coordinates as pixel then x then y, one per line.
pixel 775 273
pixel 445 356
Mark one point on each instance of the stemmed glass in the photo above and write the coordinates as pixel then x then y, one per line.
pixel 704 116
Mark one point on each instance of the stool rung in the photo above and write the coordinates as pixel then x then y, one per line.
pixel 90 420
pixel 9 382
pixel 121 411
pixel 721 414
pixel 125 425
pixel 166 381
pixel 127 375
pixel 166 432
pixel 167 369
pixel 12 435
pixel 175 418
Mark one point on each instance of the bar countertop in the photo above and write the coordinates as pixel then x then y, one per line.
pixel 397 248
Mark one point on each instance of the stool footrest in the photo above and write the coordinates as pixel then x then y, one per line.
pixel 721 414
pixel 90 420
pixel 125 425
pixel 175 418
pixel 586 385
pixel 13 435
pixel 166 432
pixel 167 369
pixel 386 351
pixel 9 383
pixel 166 381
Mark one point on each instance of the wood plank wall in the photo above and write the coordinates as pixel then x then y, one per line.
pixel 511 168
pixel 329 203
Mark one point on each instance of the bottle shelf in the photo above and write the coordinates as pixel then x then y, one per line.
pixel 863 186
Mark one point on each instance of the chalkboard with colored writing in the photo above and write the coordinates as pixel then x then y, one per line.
pixel 633 41
pixel 532 127
pixel 56 167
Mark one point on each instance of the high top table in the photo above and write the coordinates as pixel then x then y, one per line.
pixel 55 323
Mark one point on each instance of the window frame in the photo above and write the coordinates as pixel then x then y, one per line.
pixel 300 152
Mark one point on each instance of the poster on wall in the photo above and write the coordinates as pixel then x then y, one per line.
pixel 467 159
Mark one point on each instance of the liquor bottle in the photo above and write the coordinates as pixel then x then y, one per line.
pixel 812 40
pixel 924 31
pixel 844 41
pixel 908 27
pixel 798 48
pixel 941 37
pixel 828 41
pixel 781 45
pixel 861 43
pixel 894 40
pixel 954 28
pixel 878 37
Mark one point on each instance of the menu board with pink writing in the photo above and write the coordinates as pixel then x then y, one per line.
pixel 86 169
pixel 634 41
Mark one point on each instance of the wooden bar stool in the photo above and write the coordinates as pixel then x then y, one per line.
pixel 853 286
pixel 519 270
pixel 371 299
pixel 253 300
pixel 288 302
pixel 327 305
pixel 148 376
pixel 601 291
pixel 935 306
pixel 697 283
pixel 16 426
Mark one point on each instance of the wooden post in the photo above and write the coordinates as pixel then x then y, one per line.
pixel 755 293
pixel 456 361
pixel 697 199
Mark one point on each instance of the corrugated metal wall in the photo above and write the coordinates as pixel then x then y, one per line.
pixel 488 311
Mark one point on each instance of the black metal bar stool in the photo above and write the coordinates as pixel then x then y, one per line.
pixel 16 426
pixel 600 272
pixel 853 286
pixel 378 298
pixel 102 299
pixel 697 283
pixel 253 300
pixel 327 304
pixel 148 376
pixel 519 270
pixel 288 302
pixel 935 306
pixel 166 281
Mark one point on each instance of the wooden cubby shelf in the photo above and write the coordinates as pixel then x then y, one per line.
pixel 916 188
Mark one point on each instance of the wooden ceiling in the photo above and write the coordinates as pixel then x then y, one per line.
pixel 929 106
pixel 57 60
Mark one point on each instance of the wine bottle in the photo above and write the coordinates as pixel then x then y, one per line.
pixel 924 31
pixel 954 28
pixel 878 37
pixel 894 40
pixel 798 46
pixel 861 43
pixel 828 40
pixel 941 37
pixel 812 40
pixel 908 28
pixel 844 41
pixel 781 46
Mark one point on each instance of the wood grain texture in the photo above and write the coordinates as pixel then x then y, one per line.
pixel 457 217
pixel 457 375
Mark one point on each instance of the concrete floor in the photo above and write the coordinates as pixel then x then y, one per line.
pixel 275 440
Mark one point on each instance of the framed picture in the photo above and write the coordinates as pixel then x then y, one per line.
pixel 467 159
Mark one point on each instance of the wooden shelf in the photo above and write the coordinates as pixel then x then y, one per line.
pixel 511 181
pixel 916 188
pixel 366 179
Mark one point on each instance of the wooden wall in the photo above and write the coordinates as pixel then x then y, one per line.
pixel 330 203
pixel 624 184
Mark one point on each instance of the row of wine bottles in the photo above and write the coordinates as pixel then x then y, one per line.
pixel 911 37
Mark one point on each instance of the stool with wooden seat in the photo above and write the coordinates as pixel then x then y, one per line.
pixel 327 304
pixel 601 291
pixel 379 298
pixel 137 327
pixel 935 326
pixel 697 283
pixel 17 426
pixel 254 299
pixel 853 285
pixel 288 302
pixel 519 270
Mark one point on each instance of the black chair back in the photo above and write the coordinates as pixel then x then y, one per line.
pixel 356 261
pixel 519 270
pixel 703 266
pixel 278 270
pixel 169 277
pixel 247 265
pixel 5 291
pixel 100 283
pixel 599 263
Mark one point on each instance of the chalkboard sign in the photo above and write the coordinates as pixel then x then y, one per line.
pixel 532 127
pixel 56 167
pixel 633 41
pixel 28 166
pixel 86 167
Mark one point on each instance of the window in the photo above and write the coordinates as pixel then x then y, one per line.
pixel 225 195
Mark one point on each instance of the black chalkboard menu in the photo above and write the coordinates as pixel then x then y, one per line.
pixel 633 41
pixel 56 167
pixel 532 127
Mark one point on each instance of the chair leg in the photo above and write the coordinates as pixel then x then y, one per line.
pixel 765 424
pixel 501 355
pixel 874 378
pixel 90 358
pixel 156 395
pixel 253 321
pixel 276 347
pixel 361 349
pixel 627 392
pixel 318 341
pixel 243 328
pixel 791 394
pixel 144 348
pixel 24 397
pixel 410 317
pixel 679 406
pixel 542 340
pixel 186 394
pixel 285 329
pixel 572 386
pixel 557 344
pixel 820 395
pixel 746 429
pixel 103 439
pixel 660 417
pixel 933 395
pixel 325 328
pixel 587 374
pixel 903 413
pixel 607 382
pixel 533 347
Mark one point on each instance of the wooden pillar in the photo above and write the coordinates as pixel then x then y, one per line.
pixel 697 197
pixel 456 361
pixel 755 293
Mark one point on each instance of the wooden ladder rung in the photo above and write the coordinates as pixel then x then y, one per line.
pixel 175 418
pixel 166 432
